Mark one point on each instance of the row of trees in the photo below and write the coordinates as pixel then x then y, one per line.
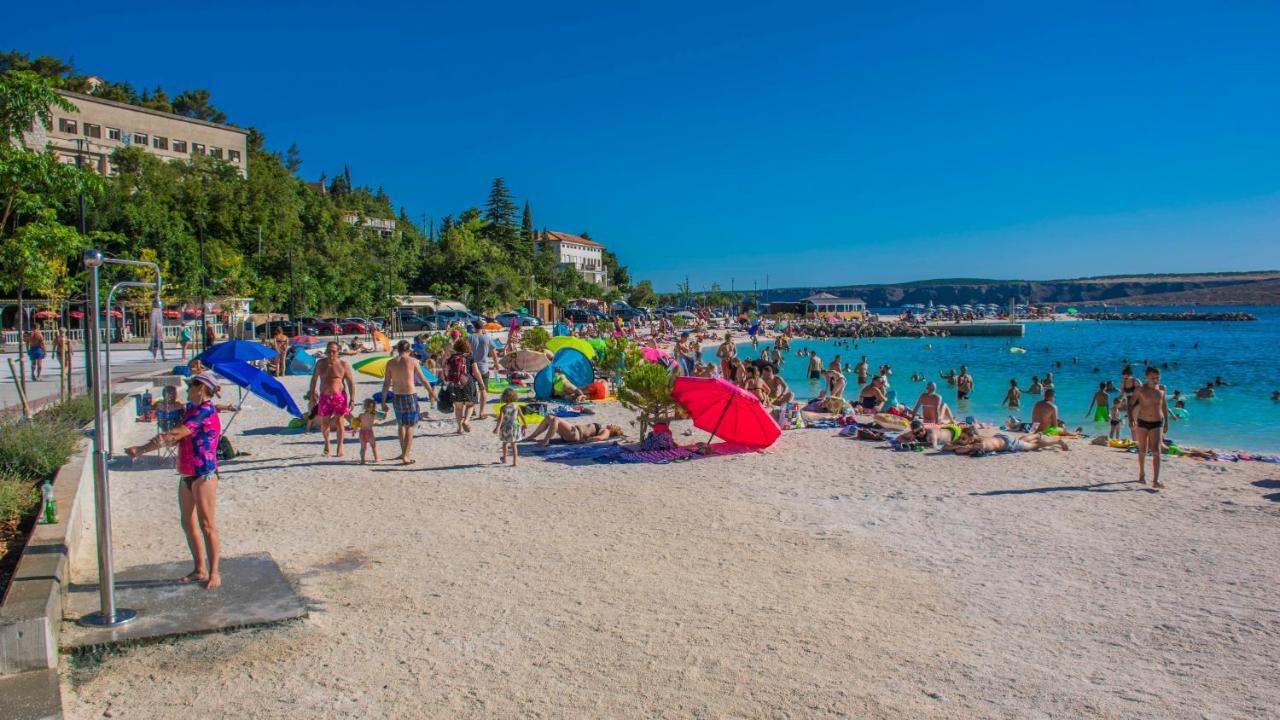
pixel 271 236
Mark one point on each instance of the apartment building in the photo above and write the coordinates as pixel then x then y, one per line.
pixel 98 127
pixel 585 255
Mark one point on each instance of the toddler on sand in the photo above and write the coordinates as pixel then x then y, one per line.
pixel 507 427
pixel 368 417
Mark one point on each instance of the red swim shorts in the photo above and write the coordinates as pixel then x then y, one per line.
pixel 332 404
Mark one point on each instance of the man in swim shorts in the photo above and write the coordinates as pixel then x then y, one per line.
pixel 337 393
pixel 36 353
pixel 401 377
pixel 1148 418
pixel 964 384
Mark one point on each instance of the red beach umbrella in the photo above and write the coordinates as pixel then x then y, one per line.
pixel 45 315
pixel 654 355
pixel 77 314
pixel 726 411
pixel 172 314
pixel 191 312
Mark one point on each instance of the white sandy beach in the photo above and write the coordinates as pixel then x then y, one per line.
pixel 825 577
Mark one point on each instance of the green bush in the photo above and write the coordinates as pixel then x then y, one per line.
pixel 535 338
pixel 17 498
pixel 35 449
pixel 76 412
pixel 646 388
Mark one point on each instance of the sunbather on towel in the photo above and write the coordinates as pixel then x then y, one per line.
pixel 552 426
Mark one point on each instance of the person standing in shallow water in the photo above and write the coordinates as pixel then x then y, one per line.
pixel 964 384
pixel 1148 418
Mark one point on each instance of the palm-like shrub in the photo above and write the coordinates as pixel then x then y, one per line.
pixel 535 338
pixel 646 388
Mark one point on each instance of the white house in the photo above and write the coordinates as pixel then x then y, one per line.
pixel 585 255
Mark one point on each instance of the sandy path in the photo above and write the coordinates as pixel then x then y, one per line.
pixel 823 578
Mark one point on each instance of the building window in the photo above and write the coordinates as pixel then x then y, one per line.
pixel 180 146
pixel 113 133
pixel 197 149
pixel 216 152
pixel 233 156
pixel 93 131
pixel 66 126
pixel 160 143
pixel 140 139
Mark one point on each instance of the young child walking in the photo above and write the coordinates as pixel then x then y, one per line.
pixel 507 427
pixel 368 417
pixel 1115 419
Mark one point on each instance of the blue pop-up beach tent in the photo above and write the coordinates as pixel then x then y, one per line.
pixel 577 368
pixel 302 363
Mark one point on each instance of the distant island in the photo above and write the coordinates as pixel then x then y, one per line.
pixel 1233 288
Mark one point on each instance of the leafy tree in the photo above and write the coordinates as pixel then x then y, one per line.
pixel 157 99
pixel 195 104
pixel 535 338
pixel 642 295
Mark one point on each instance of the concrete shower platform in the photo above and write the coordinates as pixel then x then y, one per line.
pixel 253 592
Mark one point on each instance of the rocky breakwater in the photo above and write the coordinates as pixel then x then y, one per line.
pixel 1197 316
pixel 873 329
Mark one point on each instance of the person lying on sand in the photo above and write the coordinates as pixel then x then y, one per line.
pixel 971 443
pixel 572 432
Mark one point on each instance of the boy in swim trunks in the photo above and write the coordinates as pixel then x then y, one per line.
pixel 337 391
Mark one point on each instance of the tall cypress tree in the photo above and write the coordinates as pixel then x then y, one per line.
pixel 526 224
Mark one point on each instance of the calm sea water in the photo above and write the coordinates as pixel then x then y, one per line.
pixel 1242 416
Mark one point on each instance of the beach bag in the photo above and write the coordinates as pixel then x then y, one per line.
pixel 455 370
pixel 444 400
pixel 226 451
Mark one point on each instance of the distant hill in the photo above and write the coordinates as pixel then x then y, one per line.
pixel 1241 288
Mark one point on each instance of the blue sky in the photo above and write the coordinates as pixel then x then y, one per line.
pixel 810 143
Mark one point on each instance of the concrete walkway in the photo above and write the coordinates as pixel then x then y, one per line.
pixel 127 360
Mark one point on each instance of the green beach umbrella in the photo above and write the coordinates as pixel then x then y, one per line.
pixel 1072 311
pixel 558 343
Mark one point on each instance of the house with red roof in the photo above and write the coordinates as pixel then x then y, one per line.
pixel 583 254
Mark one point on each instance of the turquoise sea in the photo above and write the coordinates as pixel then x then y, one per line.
pixel 1242 416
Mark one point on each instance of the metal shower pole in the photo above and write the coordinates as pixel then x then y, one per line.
pixel 108 615
pixel 111 435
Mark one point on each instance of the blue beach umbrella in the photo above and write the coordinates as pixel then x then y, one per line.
pixel 237 351
pixel 577 368
pixel 258 383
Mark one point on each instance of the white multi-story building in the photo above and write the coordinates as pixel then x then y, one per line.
pixel 97 127
pixel 585 255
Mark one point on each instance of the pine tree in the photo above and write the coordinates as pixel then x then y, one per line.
pixel 293 158
pixel 500 210
pixel 526 224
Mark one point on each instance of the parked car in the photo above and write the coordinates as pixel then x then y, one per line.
pixel 289 328
pixel 581 315
pixel 326 327
pixel 504 319
pixel 354 326
pixel 412 321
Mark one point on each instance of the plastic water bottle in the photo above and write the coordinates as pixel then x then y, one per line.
pixel 50 507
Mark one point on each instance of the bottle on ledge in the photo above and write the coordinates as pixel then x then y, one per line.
pixel 50 507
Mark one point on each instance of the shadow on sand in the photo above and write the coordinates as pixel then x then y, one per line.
pixel 1107 487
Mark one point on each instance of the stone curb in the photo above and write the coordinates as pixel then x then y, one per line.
pixel 31 612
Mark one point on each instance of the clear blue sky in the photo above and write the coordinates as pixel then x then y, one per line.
pixel 815 144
